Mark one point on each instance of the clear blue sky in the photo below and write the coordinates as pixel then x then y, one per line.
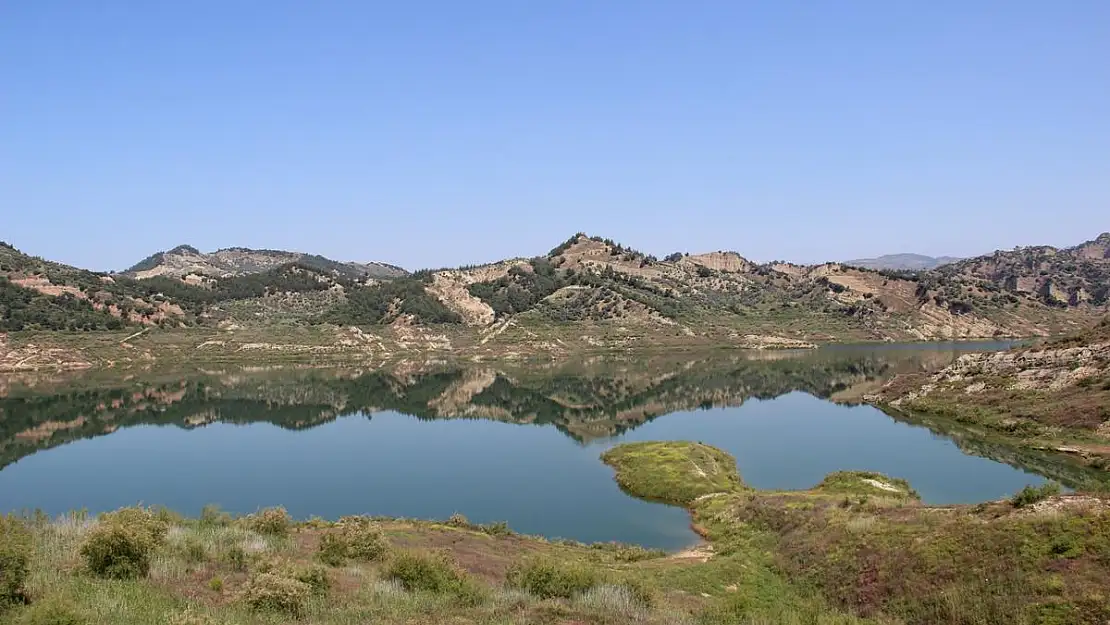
pixel 430 133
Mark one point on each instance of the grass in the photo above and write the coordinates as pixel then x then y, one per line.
pixel 674 472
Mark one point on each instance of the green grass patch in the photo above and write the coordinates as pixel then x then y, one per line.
pixel 674 472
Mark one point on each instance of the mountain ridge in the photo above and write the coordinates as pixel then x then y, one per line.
pixel 589 282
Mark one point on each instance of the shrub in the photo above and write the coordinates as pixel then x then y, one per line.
pixel 332 550
pixel 638 590
pixel 53 612
pixel 354 537
pixel 212 516
pixel 546 579
pixel 236 558
pixel 364 540
pixel 194 550
pixel 15 558
pixel 216 584
pixel 316 578
pixel 118 551
pixel 497 528
pixel 270 521
pixel 1032 494
pixel 435 573
pixel 155 524
pixel 458 520
pixel 274 592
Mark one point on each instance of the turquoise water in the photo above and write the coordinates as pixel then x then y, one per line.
pixel 280 442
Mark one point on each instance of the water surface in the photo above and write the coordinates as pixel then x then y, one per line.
pixel 519 444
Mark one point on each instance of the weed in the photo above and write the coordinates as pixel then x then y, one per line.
pixel 216 584
pixel 458 520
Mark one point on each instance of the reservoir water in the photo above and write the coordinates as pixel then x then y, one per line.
pixel 517 443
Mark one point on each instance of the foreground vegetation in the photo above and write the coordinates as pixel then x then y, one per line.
pixel 857 548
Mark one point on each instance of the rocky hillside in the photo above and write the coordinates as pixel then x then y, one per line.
pixel 185 260
pixel 594 279
pixel 1055 394
pixel 586 281
pixel 902 262
pixel 1061 278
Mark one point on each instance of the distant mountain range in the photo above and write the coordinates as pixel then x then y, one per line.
pixel 903 262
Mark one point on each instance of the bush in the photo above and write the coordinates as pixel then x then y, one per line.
pixel 212 516
pixel 117 551
pixel 546 579
pixel 497 528
pixel 458 520
pixel 364 539
pixel 53 612
pixel 435 573
pixel 274 592
pixel 638 590
pixel 153 523
pixel 15 558
pixel 216 584
pixel 1032 494
pixel 316 578
pixel 236 558
pixel 270 521
pixel 332 550
pixel 357 538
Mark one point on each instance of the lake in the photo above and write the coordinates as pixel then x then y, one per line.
pixel 519 443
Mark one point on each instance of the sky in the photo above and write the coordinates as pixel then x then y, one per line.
pixel 431 133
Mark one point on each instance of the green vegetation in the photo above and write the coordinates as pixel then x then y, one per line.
pixel 1032 494
pixel 673 472
pixel 26 309
pixel 15 556
pixel 383 302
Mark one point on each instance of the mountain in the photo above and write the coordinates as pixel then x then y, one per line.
pixel 1057 277
pixel 902 262
pixel 185 260
pixel 587 291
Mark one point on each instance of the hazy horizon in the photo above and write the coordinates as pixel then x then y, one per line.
pixel 434 133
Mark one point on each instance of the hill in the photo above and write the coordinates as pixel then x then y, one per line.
pixel 587 291
pixel 902 262
pixel 185 260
